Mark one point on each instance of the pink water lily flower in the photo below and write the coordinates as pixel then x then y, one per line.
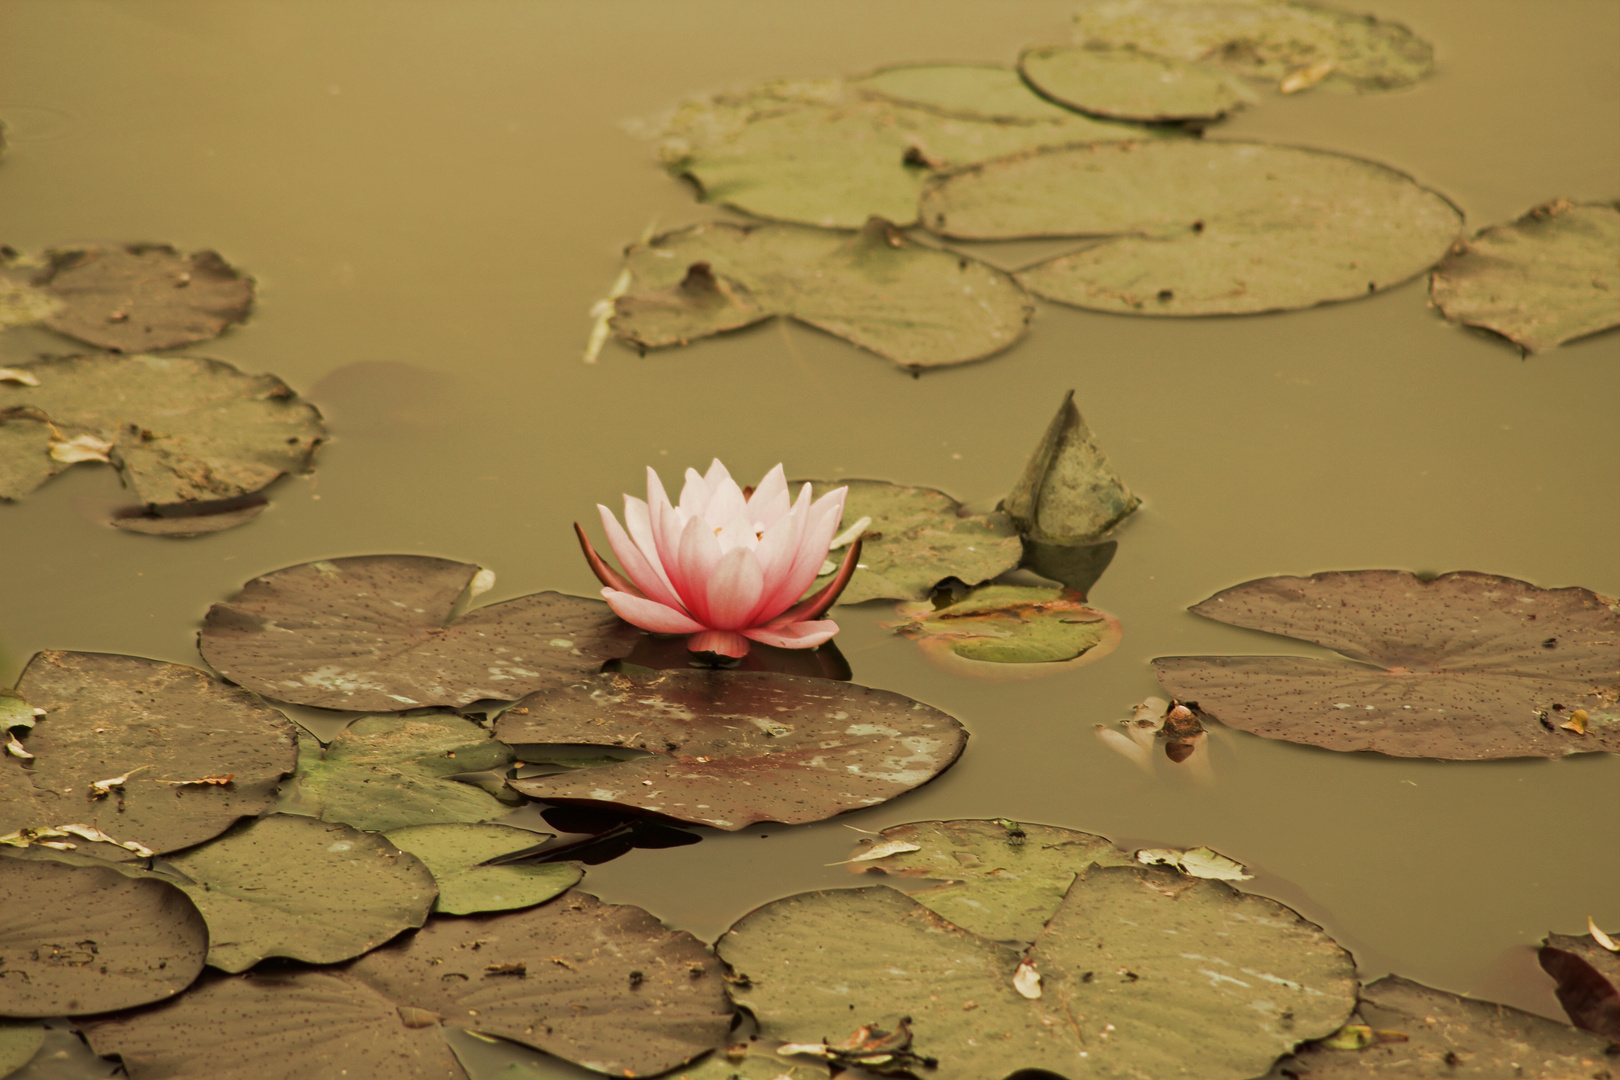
pixel 727 565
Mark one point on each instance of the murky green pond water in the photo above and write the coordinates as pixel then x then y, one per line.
pixel 431 196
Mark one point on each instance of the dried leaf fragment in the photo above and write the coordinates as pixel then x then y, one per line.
pixel 1027 981
pixel 81 448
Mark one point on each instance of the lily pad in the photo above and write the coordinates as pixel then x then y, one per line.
pixel 1140 972
pixel 975 91
pixel 1433 1033
pixel 18 1043
pixel 289 886
pixel 283 1025
pixel 1125 84
pixel 919 537
pixel 1286 44
pixel 1011 631
pixel 374 633
pixel 728 749
pixel 999 879
pixel 455 854
pixel 21 304
pixel 604 985
pixel 1588 977
pixel 386 772
pixel 916 305
pixel 125 742
pixel 1201 227
pixel 80 940
pixel 820 153
pixel 179 429
pixel 1461 666
pixel 133 297
pixel 1547 278
pixel 1069 493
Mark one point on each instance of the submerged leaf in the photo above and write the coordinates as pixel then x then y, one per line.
pixel 1462 666
pixel 1068 494
pixel 1588 976
pixel 1201 227
pixel 1011 631
pixel 1547 278
pixel 455 854
pixel 1125 84
pixel 916 305
pixel 18 1043
pixel 374 633
pixel 729 749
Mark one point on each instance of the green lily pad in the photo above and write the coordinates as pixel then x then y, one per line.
pixel 86 939
pixel 1547 278
pixel 387 772
pixel 179 429
pixel 1201 227
pixel 19 1042
pixel 1461 666
pixel 1069 493
pixel 1011 631
pixel 919 537
pixel 916 305
pixel 375 633
pixel 819 153
pixel 1125 84
pixel 309 890
pixel 975 91
pixel 1292 45
pixel 160 754
pixel 729 749
pixel 1139 972
pixel 999 879
pixel 287 1024
pixel 1588 978
pixel 606 986
pixel 454 853
pixel 1418 1031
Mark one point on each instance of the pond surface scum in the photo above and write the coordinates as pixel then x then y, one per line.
pixel 431 199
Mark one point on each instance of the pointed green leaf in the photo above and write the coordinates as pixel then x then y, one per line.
pixel 1068 493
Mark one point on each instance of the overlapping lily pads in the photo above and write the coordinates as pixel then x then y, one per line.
pixel 158 754
pixel 1125 84
pixel 917 538
pixel 822 153
pixel 1588 975
pixel 386 772
pixel 85 939
pixel 375 633
pixel 731 748
pixel 916 305
pixel 1137 973
pixel 1465 665
pixel 179 429
pixel 455 853
pixel 1547 278
pixel 1291 45
pixel 1201 227
pixel 1068 493
pixel 1011 631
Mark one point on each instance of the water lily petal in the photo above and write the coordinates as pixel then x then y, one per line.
pixel 795 635
pixel 816 604
pixel 726 502
pixel 649 614
pixel 724 642
pixel 770 500
pixel 604 573
pixel 775 554
pixel 695 561
pixel 811 552
pixel 638 523
pixel 737 532
pixel 733 589
pixel 717 472
pixel 666 522
pixel 644 575
pixel 694 494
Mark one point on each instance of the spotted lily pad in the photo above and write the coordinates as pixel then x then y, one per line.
pixel 374 633
pixel 309 890
pixel 1547 278
pixel 1465 665
pixel 1011 631
pixel 1588 977
pixel 179 429
pixel 125 742
pixel 1068 494
pixel 1125 84
pixel 386 772
pixel 1291 45
pixel 1414 1030
pixel 1140 972
pixel 85 939
pixel 825 154
pixel 916 305
pixel 728 749
pixel 1201 227
pixel 606 986
pixel 455 854
pixel 919 537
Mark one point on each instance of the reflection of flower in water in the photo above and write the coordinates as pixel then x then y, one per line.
pixel 726 565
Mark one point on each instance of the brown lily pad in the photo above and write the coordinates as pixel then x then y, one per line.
pixel 86 939
pixel 1588 977
pixel 125 743
pixel 1462 666
pixel 134 297
pixel 374 633
pixel 728 749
